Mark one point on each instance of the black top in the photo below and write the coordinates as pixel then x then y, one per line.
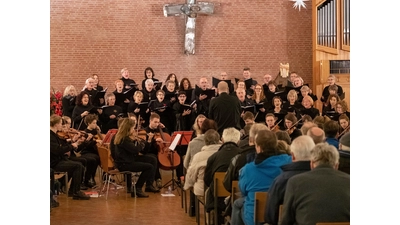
pixel 144 83
pixel 127 151
pixel 128 84
pixel 225 110
pixel 107 122
pixel 68 105
pixel 58 148
pixel 325 93
pixel 76 115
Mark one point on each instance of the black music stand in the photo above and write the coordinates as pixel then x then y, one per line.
pixel 184 139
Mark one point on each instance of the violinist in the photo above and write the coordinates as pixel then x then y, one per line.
pixel 90 151
pixel 111 113
pixel 153 137
pixel 68 100
pixel 270 121
pixel 88 162
pixel 344 125
pixel 59 162
pixel 131 155
pixel 291 126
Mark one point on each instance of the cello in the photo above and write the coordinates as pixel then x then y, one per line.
pixel 169 160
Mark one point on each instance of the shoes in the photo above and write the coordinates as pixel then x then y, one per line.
pixel 139 194
pixel 88 185
pixel 80 196
pixel 151 188
pixel 83 187
pixel 159 183
pixel 54 204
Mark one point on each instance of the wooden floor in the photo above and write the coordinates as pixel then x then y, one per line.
pixel 120 208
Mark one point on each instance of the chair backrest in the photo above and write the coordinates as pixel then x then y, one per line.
pixel 219 191
pixel 334 223
pixel 104 156
pixel 280 213
pixel 260 201
pixel 235 189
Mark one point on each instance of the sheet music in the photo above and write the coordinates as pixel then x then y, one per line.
pixel 175 142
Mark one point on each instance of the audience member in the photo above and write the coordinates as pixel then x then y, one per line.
pixel 320 195
pixel 301 150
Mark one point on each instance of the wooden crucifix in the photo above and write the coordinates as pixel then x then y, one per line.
pixel 190 9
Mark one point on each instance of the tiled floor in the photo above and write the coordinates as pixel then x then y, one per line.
pixel 120 208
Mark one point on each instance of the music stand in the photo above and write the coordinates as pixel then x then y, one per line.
pixel 180 138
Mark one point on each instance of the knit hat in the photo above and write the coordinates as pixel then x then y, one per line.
pixel 345 139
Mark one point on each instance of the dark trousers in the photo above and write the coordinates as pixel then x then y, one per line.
pixel 74 170
pixel 52 180
pixel 84 163
pixel 92 161
pixel 143 163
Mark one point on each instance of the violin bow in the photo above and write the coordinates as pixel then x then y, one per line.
pixel 273 128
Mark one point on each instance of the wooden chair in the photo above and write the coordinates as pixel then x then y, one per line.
pixel 197 200
pixel 334 223
pixel 58 175
pixel 280 214
pixel 235 189
pixel 219 191
pixel 260 200
pixel 109 168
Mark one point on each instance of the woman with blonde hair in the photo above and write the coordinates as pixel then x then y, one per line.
pixel 68 100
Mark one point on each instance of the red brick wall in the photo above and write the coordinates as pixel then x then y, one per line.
pixel 96 36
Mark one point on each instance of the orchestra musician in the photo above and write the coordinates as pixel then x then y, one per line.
pixel 153 137
pixel 272 124
pixel 88 162
pixel 59 162
pixel 344 125
pixel 291 126
pixel 90 151
pixel 130 154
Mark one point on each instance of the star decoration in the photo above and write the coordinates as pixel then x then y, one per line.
pixel 299 3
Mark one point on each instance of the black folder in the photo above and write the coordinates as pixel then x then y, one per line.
pixel 209 92
pixel 215 82
pixel 98 96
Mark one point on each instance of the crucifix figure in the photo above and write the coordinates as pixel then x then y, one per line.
pixel 190 10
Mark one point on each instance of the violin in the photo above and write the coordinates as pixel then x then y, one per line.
pixel 168 159
pixel 276 127
pixel 347 129
pixel 290 129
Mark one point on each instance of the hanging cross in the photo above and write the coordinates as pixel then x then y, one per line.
pixel 190 10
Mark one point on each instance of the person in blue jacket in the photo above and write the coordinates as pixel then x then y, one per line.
pixel 258 176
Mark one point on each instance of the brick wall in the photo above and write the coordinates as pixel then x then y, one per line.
pixel 93 36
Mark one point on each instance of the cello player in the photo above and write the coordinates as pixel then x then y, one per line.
pixel 154 138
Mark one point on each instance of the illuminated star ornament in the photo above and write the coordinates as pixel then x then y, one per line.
pixel 299 3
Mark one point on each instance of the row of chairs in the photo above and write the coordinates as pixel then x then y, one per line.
pixel 259 204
